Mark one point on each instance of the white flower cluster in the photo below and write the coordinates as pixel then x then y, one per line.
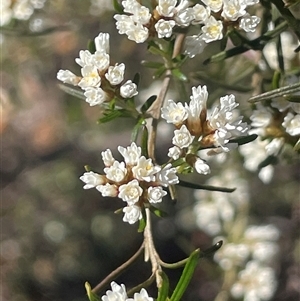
pixel 194 130
pixel 253 251
pixel 137 181
pixel 216 210
pixel 139 22
pixel 279 123
pixel 255 283
pixel 18 9
pixel 215 16
pixel 118 293
pixel 99 80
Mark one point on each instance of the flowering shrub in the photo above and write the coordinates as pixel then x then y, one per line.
pixel 206 128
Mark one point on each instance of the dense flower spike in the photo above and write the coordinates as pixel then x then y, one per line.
pixel 195 130
pixel 99 81
pixel 137 181
pixel 139 23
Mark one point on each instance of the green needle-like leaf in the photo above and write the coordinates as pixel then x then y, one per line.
pixel 244 140
pixel 186 276
pixel 72 91
pixel 179 75
pixel 144 142
pixel 136 129
pixel 205 187
pixel 91 295
pixel 164 289
pixel 148 103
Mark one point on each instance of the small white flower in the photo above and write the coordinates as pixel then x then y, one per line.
pixel 94 96
pixel 130 192
pixel 22 10
pixel 167 176
pixel 145 170
pixel 67 77
pixel 92 179
pixel 101 60
pixel 118 292
pixel 107 157
pixel 90 77
pixel 102 42
pixel 141 296
pixel 85 58
pixel 116 172
pixel 124 23
pixel 174 112
pixel 184 17
pixel 197 103
pixel 141 15
pixel 131 154
pixel 201 13
pixel 214 5
pixel 212 30
pixel 291 123
pixel 261 117
pixel 132 215
pixel 164 28
pixel 174 152
pixel 128 89
pixel 138 33
pixel 182 137
pixel 108 190
pixel 233 9
pixel 249 23
pixel 194 45
pixel 166 7
pixel 201 167
pixel 115 74
pixel 155 194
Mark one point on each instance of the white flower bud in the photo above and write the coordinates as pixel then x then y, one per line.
pixel 132 215
pixel 155 194
pixel 130 192
pixel 182 137
pixel 68 77
pixel 116 172
pixel 164 28
pixel 108 190
pixel 94 96
pixel 128 90
pixel 201 167
pixel 102 42
pixel 92 179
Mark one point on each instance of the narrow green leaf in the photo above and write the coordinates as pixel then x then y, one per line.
pixel 205 187
pixel 156 51
pixel 179 75
pixel 297 146
pixel 74 91
pixel 293 98
pixel 270 160
pixel 91 295
pixel 159 72
pixel 144 141
pixel 118 7
pixel 164 289
pixel 87 168
pixel 148 103
pixel 276 79
pixel 136 79
pixel 136 129
pixel 110 115
pixel 142 224
pixel 186 276
pixel 91 46
pixel 244 140
pixel 157 211
pixel 150 64
pixel 212 250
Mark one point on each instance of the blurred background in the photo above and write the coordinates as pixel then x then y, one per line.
pixel 55 236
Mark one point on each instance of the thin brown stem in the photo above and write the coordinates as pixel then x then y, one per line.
pixel 150 251
pixel 118 271
pixel 155 108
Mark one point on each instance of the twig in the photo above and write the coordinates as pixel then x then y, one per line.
pixel 118 271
